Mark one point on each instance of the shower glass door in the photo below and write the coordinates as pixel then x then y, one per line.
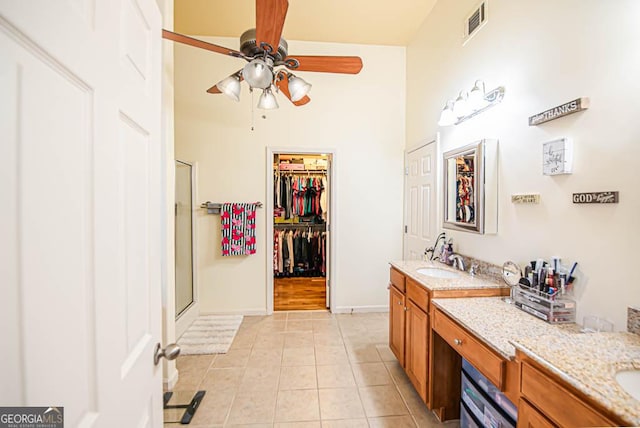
pixel 183 237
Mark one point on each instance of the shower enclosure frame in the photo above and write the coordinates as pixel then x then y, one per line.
pixel 191 311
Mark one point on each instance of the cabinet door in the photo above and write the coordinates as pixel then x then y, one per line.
pixel 396 323
pixel 558 401
pixel 417 327
pixel 529 417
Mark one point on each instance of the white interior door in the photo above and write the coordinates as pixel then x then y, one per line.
pixel 420 201
pixel 80 224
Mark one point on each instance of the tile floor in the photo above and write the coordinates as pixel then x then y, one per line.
pixel 305 369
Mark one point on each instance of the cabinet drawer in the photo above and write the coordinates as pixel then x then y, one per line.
pixel 485 360
pixel 418 294
pixel 397 279
pixel 529 417
pixel 558 403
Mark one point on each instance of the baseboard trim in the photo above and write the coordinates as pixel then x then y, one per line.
pixel 360 309
pixel 238 312
pixel 170 383
pixel 187 318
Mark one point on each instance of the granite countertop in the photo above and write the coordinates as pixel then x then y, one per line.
pixel 461 282
pixel 498 323
pixel 586 361
pixel 589 362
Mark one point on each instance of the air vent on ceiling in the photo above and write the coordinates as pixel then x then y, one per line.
pixel 475 21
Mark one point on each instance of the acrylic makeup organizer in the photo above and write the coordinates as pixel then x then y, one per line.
pixel 553 308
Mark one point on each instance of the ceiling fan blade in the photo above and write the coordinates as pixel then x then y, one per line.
pixel 282 82
pixel 169 35
pixel 270 15
pixel 325 64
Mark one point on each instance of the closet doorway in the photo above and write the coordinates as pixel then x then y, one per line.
pixel 300 268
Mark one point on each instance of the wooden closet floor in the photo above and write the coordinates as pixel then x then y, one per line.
pixel 299 293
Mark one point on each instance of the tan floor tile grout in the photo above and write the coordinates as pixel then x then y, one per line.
pixel 395 384
pixel 354 331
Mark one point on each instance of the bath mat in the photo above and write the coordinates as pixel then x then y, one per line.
pixel 210 334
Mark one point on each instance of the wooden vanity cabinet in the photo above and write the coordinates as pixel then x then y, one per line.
pixel 549 398
pixel 416 339
pixel 489 362
pixel 450 342
pixel 410 326
pixel 529 417
pixel 430 345
pixel 396 323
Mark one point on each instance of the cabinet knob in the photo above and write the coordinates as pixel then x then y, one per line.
pixel 406 309
pixel 399 303
pixel 457 341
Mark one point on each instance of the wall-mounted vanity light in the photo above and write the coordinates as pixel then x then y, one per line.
pixel 468 105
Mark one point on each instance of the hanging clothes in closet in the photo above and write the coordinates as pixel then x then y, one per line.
pixel 299 253
pixel 300 196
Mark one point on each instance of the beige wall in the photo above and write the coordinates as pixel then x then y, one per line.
pixel 546 53
pixel 362 117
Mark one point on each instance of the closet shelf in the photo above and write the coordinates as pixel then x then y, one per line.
pixel 302 171
pixel 300 225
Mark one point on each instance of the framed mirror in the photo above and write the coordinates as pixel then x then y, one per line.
pixel 471 187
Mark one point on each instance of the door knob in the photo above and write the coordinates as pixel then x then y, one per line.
pixel 170 352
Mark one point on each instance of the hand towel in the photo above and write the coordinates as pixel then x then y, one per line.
pixel 238 228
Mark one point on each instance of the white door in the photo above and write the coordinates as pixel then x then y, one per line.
pixel 80 218
pixel 420 201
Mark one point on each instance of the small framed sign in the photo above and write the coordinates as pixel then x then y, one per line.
pixel 557 157
pixel 596 198
pixel 529 198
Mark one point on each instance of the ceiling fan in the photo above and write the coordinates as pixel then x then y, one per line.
pixel 268 60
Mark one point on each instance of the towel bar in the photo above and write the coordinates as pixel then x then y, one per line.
pixel 215 207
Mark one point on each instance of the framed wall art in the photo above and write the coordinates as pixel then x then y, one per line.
pixel 557 157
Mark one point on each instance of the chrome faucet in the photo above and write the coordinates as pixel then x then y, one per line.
pixel 473 270
pixel 433 249
pixel 458 261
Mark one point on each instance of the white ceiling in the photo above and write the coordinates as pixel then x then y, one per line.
pixel 375 22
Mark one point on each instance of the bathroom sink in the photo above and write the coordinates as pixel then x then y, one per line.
pixel 437 273
pixel 629 380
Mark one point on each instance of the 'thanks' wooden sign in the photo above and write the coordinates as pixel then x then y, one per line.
pixel 560 111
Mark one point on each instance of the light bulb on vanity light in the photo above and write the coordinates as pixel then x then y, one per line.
pixel 476 99
pixel 461 107
pixel 447 118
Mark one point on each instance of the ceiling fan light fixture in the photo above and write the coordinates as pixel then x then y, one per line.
pixel 267 100
pixel 298 87
pixel 258 74
pixel 230 86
